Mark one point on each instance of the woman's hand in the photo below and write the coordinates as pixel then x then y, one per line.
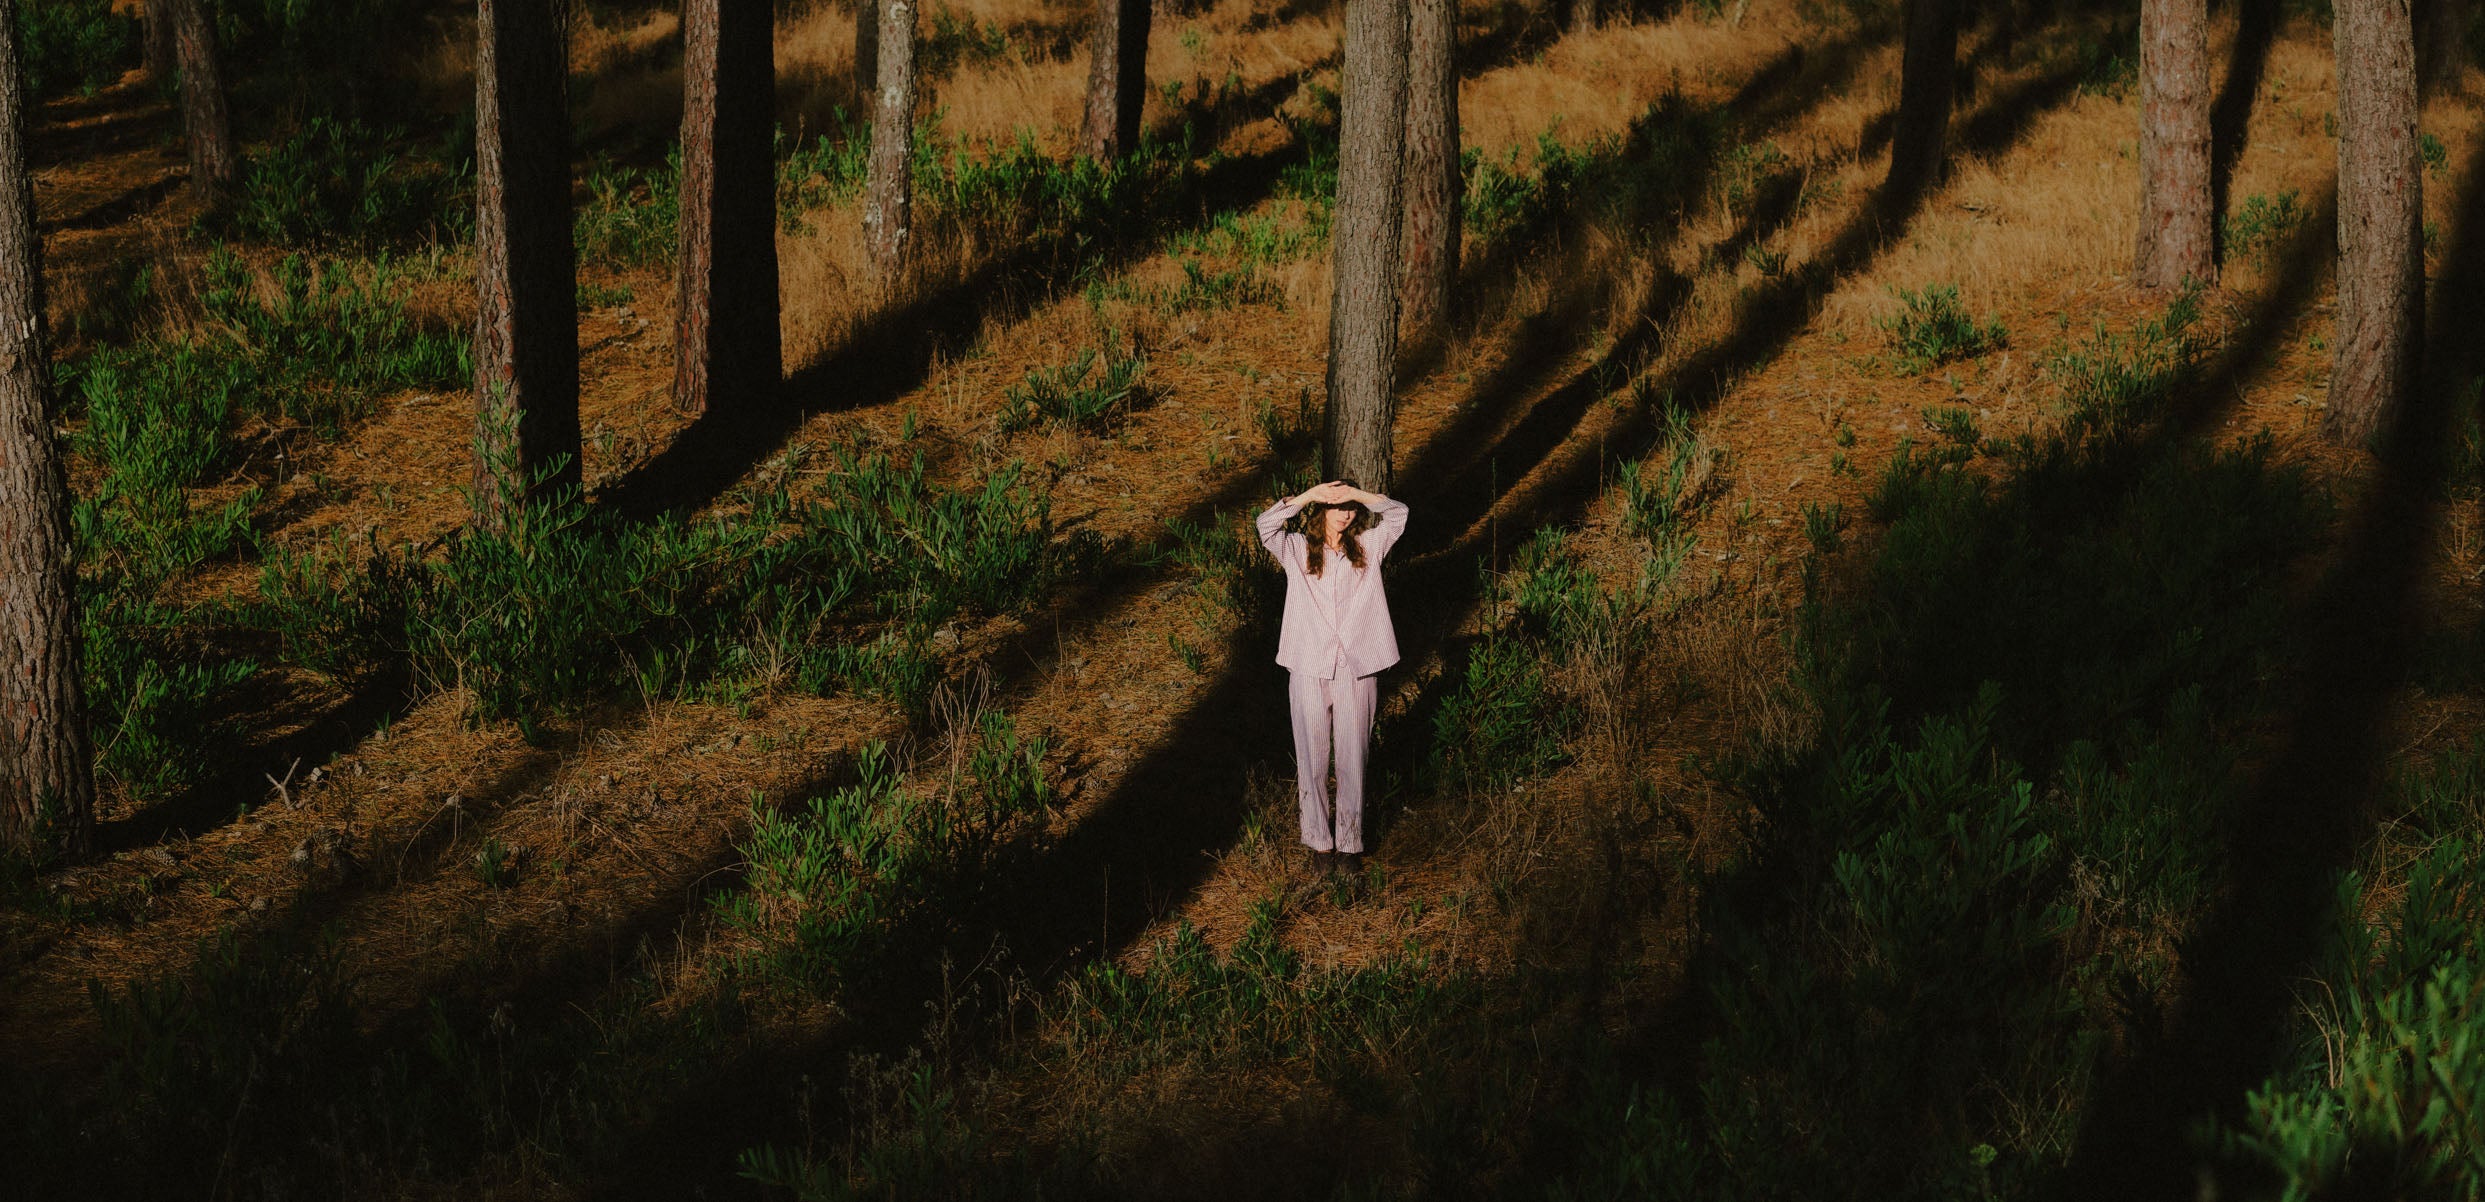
pixel 1331 493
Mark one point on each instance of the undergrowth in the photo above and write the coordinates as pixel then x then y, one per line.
pixel 561 605
pixel 2381 1094
pixel 1981 870
pixel 76 46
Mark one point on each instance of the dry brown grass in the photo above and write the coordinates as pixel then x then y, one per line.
pixel 636 803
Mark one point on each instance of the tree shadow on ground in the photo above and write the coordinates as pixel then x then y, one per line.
pixel 2230 116
pixel 1153 840
pixel 2311 802
pixel 893 352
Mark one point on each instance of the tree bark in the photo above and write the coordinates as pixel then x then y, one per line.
pixel 2177 229
pixel 157 30
pixel 1582 16
pixel 1429 239
pixel 47 770
pixel 888 212
pixel 2380 210
pixel 206 120
pixel 1928 74
pixel 866 51
pixel 526 323
pixel 725 333
pixel 1117 79
pixel 1363 307
pixel 2442 40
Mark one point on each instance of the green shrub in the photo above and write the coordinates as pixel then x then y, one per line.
pixel 1263 238
pixel 632 214
pixel 1254 1004
pixel 1066 395
pixel 1932 328
pixel 76 46
pixel 2262 224
pixel 556 606
pixel 1502 722
pixel 830 881
pixel 956 41
pixel 157 702
pixel 2380 1098
pixel 340 181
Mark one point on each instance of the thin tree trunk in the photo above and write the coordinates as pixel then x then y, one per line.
pixel 888 213
pixel 526 324
pixel 1117 79
pixel 727 346
pixel 1363 307
pixel 2442 40
pixel 206 120
pixel 1928 75
pixel 1429 240
pixel 2380 207
pixel 866 51
pixel 2177 229
pixel 47 771
pixel 1582 15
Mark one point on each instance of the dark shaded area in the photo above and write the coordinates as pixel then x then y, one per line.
pixel 2310 805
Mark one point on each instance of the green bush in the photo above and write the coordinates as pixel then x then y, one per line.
pixel 1932 328
pixel 158 418
pixel 830 881
pixel 341 181
pixel 1066 395
pixel 2262 224
pixel 2381 1097
pixel 555 606
pixel 1501 723
pixel 631 215
pixel 73 46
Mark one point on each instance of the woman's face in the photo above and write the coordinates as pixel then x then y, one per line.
pixel 1338 518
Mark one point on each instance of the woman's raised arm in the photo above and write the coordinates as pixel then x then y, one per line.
pixel 1392 522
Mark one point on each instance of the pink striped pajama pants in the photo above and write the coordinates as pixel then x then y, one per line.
pixel 1331 714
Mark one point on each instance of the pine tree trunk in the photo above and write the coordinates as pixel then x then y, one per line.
pixel 47 772
pixel 2177 229
pixel 526 324
pixel 1582 19
pixel 2442 40
pixel 727 345
pixel 1363 307
pixel 157 30
pixel 1117 79
pixel 866 51
pixel 888 213
pixel 2380 207
pixel 206 121
pixel 1429 240
pixel 1928 74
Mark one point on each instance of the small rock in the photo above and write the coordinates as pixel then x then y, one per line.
pixel 258 905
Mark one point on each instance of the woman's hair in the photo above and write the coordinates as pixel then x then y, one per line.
pixel 1315 546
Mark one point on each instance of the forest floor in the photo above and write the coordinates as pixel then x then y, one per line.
pixel 1744 296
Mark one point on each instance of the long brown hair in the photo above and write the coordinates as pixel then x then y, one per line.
pixel 1316 520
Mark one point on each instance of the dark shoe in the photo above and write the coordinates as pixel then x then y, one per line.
pixel 1349 864
pixel 1322 862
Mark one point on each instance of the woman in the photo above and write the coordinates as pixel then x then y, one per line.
pixel 1336 634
